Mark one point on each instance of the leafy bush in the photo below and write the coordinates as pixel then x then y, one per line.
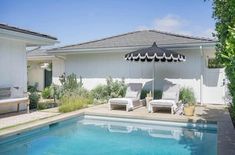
pixel 110 90
pixel 41 106
pixel 116 88
pixel 75 100
pixel 214 63
pixel 47 93
pixel 46 105
pixel 224 15
pixel 100 92
pixel 33 98
pixel 56 91
pixel 187 96
pixel 32 88
pixel 157 94
pixel 71 83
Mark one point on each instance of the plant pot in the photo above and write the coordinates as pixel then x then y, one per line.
pixel 189 110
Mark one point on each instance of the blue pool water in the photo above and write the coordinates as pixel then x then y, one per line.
pixel 91 136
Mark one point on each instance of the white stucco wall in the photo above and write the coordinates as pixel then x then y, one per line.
pixel 57 70
pixel 213 88
pixel 36 74
pixel 95 68
pixel 13 67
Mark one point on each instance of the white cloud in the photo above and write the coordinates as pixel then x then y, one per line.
pixel 171 23
pixel 176 24
pixel 207 33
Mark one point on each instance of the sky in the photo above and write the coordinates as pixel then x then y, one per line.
pixel 76 21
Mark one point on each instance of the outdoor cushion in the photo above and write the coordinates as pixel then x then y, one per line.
pixel 14 100
pixel 131 94
pixel 122 100
pixel 171 92
pixel 166 103
pixel 169 95
pixel 163 103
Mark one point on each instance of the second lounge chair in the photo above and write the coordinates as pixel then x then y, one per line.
pixel 170 98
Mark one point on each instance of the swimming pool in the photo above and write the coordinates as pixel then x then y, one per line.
pixel 94 135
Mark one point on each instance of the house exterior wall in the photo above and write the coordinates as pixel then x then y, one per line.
pixel 95 68
pixel 213 82
pixel 57 70
pixel 35 74
pixel 13 67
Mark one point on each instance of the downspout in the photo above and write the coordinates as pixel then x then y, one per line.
pixel 201 75
pixel 153 84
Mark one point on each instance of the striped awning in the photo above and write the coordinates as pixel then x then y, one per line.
pixel 155 53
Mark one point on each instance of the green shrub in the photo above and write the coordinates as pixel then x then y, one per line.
pixel 72 101
pixel 33 88
pixel 56 91
pixel 72 104
pixel 109 90
pixel 116 88
pixel 33 98
pixel 71 83
pixel 46 105
pixel 46 93
pixel 41 106
pixel 187 96
pixel 100 92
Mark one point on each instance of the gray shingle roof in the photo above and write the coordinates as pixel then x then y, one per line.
pixel 138 38
pixel 16 29
pixel 37 52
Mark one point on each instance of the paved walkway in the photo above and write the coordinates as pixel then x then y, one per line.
pixel 13 119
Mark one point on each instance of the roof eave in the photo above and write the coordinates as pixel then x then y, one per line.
pixel 29 39
pixel 40 57
pixel 170 46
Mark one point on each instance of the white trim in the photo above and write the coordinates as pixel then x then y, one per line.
pixel 178 58
pixel 122 49
pixel 41 57
pixel 30 40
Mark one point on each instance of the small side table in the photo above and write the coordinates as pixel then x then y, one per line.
pixel 148 99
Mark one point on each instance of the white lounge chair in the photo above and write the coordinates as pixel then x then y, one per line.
pixel 131 99
pixel 170 98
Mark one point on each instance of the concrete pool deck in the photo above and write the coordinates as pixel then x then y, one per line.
pixel 214 113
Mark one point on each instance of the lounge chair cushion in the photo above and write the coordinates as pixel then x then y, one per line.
pixel 164 103
pixel 123 100
pixel 169 95
pixel 131 94
pixel 171 92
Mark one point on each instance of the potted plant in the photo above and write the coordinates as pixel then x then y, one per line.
pixel 188 99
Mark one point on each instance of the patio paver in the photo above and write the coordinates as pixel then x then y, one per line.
pixel 14 120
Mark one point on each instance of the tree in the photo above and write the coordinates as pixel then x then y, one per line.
pixel 224 14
